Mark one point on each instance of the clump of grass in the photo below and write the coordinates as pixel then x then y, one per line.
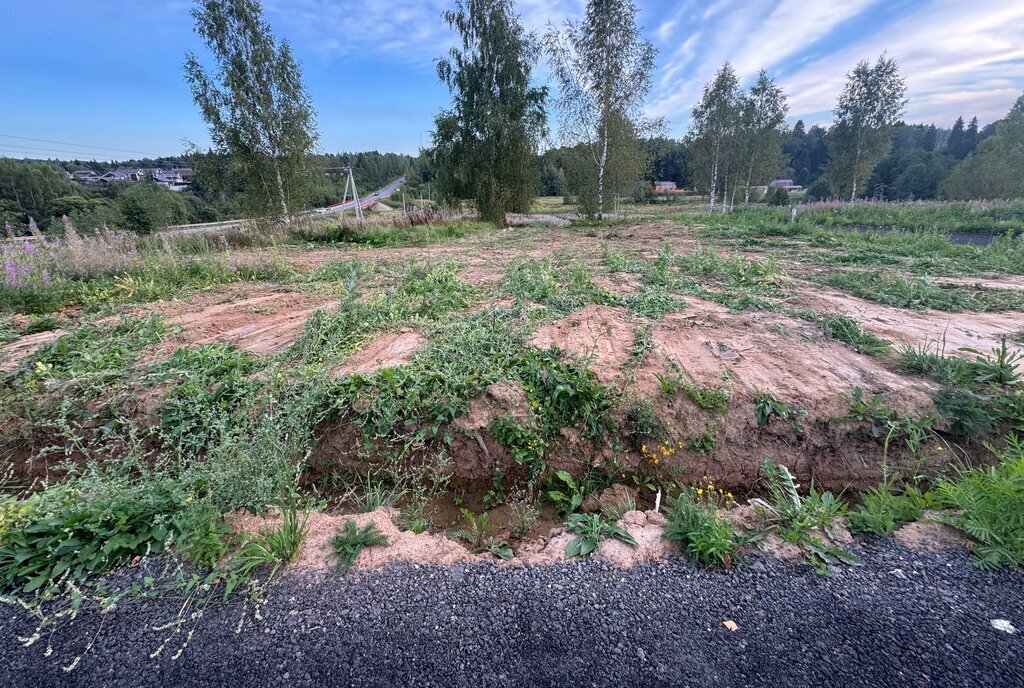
pixel 849 332
pixel 284 542
pixel 352 541
pixel 698 528
pixel 885 507
pixel 713 399
pixel 560 284
pixel 893 289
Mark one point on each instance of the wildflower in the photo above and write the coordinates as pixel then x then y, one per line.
pixel 699 491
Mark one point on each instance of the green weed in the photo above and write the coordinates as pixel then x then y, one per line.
pixel 991 502
pixel 352 541
pixel 590 530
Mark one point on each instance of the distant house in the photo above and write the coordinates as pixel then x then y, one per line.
pixel 85 177
pixel 664 187
pixel 123 174
pixel 786 184
pixel 173 180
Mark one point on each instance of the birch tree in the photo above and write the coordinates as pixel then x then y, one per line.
pixel 713 134
pixel 761 132
pixel 603 69
pixel 871 104
pixel 485 146
pixel 255 103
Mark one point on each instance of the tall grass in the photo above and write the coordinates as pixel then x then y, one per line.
pixel 109 267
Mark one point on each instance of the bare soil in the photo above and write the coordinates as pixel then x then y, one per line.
pixel 741 352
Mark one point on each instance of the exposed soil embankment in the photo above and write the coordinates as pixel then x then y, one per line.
pixel 707 346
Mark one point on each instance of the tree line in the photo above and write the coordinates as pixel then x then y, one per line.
pixel 487 146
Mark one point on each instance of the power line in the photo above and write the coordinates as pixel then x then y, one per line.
pixel 59 150
pixel 79 145
pixel 64 156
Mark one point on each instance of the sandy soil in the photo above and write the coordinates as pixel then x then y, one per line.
pixel 981 331
pixel 390 350
pixel 266 322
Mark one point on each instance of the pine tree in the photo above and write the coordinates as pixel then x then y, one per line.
pixel 996 168
pixel 955 140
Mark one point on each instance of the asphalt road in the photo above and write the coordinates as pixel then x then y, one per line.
pixel 901 620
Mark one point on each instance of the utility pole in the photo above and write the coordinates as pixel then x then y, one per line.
pixel 355 195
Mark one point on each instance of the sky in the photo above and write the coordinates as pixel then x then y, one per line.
pixel 104 79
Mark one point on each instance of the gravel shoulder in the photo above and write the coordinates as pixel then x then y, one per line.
pixel 903 619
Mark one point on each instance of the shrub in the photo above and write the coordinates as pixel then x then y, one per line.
pixel 992 504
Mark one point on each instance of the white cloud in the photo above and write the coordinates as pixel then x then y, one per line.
pixel 752 35
pixel 409 32
pixel 953 57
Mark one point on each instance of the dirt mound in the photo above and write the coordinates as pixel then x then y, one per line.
pixel 785 355
pixel 981 331
pixel 264 324
pixel 393 349
pixel 930 536
pixel 403 545
pixel 602 336
pixel 12 354
pixel 644 526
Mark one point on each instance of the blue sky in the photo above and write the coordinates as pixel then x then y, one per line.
pixel 106 76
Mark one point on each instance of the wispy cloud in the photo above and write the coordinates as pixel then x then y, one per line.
pixel 955 57
pixel 403 32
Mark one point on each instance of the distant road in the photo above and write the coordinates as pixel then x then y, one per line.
pixel 364 202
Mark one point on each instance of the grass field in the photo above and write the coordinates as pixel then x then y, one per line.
pixel 489 385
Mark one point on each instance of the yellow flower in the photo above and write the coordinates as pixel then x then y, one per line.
pixel 643 448
pixel 729 495
pixel 189 499
pixel 700 491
